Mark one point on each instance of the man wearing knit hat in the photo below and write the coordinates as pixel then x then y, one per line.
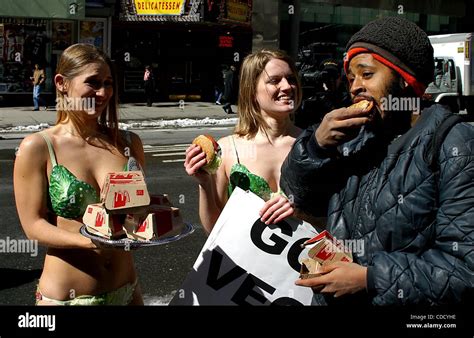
pixel 403 193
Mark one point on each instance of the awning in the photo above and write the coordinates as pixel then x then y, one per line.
pixel 51 9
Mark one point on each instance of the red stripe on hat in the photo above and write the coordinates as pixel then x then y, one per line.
pixel 417 86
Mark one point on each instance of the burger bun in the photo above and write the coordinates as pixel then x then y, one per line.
pixel 366 105
pixel 212 150
pixel 206 142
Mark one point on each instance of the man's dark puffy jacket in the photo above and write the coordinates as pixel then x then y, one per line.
pixel 418 237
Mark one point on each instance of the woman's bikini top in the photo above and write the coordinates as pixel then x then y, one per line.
pixel 241 177
pixel 69 196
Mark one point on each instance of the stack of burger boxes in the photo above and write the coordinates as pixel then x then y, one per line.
pixel 127 210
pixel 323 249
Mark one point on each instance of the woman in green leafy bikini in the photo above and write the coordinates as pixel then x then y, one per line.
pixel 269 92
pixel 59 171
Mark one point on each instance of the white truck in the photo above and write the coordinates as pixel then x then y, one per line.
pixel 454 72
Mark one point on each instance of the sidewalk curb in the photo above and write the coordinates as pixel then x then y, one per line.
pixel 21 120
pixel 132 124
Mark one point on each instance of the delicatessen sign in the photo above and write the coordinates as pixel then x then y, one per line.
pixel 159 7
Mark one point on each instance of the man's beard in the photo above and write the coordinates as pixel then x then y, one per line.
pixel 393 122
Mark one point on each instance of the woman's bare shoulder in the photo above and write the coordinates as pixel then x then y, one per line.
pixel 225 139
pixel 33 149
pixel 225 142
pixel 227 156
pixel 33 143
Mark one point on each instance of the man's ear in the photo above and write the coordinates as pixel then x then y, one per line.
pixel 60 83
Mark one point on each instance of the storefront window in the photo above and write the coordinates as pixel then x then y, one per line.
pixel 21 46
pixel 92 32
pixel 62 35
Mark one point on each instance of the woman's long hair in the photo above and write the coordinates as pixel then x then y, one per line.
pixel 250 117
pixel 71 64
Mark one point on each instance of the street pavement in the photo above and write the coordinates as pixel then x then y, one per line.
pixel 11 117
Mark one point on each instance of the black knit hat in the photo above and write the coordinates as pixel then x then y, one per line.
pixel 401 42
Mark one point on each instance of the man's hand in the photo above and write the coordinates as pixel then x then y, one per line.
pixel 339 278
pixel 341 125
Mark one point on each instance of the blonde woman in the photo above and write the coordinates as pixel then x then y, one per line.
pixel 59 171
pixel 269 92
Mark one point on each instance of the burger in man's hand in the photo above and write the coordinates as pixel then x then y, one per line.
pixel 213 152
pixel 367 106
pixel 363 104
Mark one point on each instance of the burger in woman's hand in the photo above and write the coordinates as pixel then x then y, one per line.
pixel 213 152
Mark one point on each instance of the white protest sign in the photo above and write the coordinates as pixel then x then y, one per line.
pixel 245 261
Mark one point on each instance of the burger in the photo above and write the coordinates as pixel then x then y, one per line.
pixel 367 106
pixel 213 152
pixel 363 104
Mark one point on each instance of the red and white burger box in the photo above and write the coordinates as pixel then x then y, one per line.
pixel 323 249
pixel 102 223
pixel 122 190
pixel 159 222
pixel 127 210
pixel 160 199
